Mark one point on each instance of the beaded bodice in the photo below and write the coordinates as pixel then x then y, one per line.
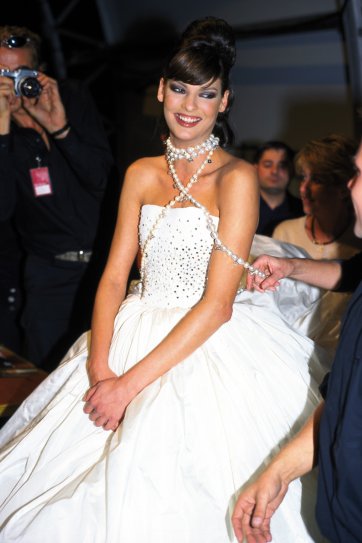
pixel 177 257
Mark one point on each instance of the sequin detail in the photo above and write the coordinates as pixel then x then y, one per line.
pixel 176 264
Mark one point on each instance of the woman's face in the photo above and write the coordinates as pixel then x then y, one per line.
pixel 319 197
pixel 355 186
pixel 191 110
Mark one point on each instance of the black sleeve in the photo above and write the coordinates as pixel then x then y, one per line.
pixel 351 274
pixel 324 386
pixel 7 180
pixel 85 148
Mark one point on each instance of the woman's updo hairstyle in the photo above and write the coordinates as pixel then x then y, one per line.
pixel 206 52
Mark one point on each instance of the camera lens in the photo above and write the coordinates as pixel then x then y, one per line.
pixel 30 87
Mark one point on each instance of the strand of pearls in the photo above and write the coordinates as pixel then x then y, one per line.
pixel 218 244
pixel 173 153
pixel 183 196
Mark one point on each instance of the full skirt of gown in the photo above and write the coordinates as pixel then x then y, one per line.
pixel 188 442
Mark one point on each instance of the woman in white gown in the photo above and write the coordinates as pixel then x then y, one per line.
pixel 197 384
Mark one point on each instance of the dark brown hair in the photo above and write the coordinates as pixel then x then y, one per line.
pixel 278 146
pixel 206 52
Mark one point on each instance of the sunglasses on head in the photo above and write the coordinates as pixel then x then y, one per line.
pixel 15 41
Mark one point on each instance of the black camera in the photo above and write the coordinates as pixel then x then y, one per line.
pixel 25 81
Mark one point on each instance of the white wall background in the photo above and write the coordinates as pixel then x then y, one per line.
pixel 292 87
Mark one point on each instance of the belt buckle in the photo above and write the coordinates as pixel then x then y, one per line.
pixel 75 256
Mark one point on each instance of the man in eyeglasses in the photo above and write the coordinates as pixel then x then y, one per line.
pixel 54 165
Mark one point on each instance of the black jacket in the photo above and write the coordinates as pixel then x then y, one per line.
pixel 79 165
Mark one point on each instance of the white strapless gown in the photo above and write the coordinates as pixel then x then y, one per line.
pixel 188 442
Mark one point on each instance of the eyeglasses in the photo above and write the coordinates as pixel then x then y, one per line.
pixel 15 41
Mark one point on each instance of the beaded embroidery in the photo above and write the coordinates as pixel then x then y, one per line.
pixel 178 258
pixel 184 195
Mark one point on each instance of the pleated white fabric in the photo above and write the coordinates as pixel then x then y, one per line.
pixel 188 442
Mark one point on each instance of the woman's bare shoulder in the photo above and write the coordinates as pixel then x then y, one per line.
pixel 236 170
pixel 146 165
pixel 241 165
pixel 143 172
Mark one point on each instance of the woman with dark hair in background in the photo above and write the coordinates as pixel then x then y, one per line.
pixel 197 387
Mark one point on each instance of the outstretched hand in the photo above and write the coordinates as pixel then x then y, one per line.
pixel 106 402
pixel 255 507
pixel 274 268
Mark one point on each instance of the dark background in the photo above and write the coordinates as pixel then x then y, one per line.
pixel 122 64
pixel 122 76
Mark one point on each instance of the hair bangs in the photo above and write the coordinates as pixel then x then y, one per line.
pixel 194 66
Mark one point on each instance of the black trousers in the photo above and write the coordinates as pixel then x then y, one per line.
pixel 10 303
pixel 58 305
pixel 10 297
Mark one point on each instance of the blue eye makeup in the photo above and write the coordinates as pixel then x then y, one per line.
pixel 208 94
pixel 176 88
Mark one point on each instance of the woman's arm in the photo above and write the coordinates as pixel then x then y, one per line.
pixel 238 205
pixel 258 501
pixel 113 284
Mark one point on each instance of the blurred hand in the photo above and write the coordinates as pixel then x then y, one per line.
pixel 255 507
pixel 7 96
pixel 48 109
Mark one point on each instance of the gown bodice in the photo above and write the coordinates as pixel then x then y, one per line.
pixel 177 258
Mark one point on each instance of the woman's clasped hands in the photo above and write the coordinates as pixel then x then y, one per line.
pixel 106 402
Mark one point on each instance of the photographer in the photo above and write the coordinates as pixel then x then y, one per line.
pixel 54 165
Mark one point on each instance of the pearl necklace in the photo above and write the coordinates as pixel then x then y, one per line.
pixel 183 196
pixel 172 153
